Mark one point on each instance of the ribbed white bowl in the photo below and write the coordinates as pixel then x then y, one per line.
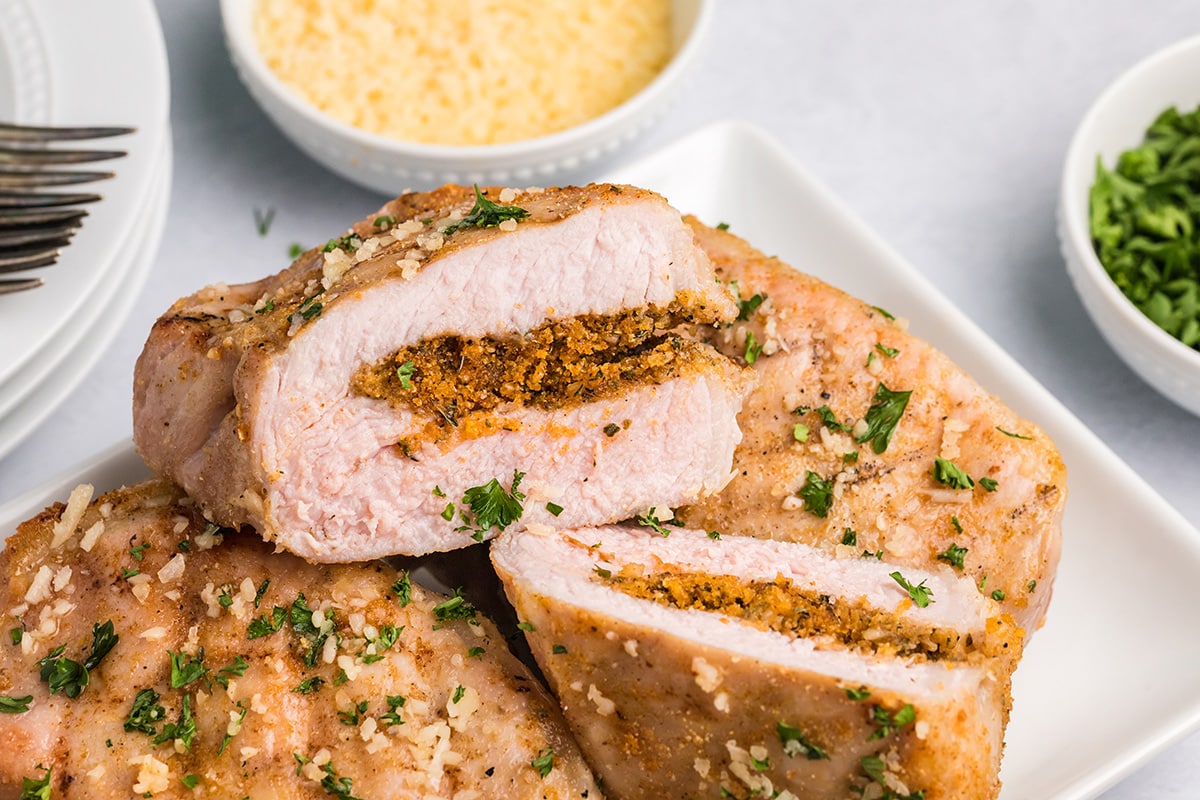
pixel 1116 122
pixel 390 166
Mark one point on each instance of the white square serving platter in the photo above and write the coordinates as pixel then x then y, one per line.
pixel 1111 679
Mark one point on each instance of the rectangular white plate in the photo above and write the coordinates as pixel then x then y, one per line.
pixel 1111 679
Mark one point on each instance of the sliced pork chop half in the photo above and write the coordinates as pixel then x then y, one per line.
pixel 837 455
pixel 695 668
pixel 354 405
pixel 151 657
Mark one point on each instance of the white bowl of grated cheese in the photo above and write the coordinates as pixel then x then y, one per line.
pixel 395 94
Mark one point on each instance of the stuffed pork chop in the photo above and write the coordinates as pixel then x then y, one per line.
pixel 447 367
pixel 859 436
pixel 153 654
pixel 694 667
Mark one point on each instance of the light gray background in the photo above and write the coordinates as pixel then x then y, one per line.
pixel 943 125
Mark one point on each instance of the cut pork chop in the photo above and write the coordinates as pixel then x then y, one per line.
pixel 393 391
pixel 835 454
pixel 695 667
pixel 155 654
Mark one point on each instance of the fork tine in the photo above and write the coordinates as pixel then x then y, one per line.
pixel 19 285
pixel 20 156
pixel 33 217
pixel 58 235
pixel 24 178
pixel 29 258
pixel 43 200
pixel 35 133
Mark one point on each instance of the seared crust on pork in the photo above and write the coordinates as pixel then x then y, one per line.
pixel 671 698
pixel 346 683
pixel 825 352
pixel 269 402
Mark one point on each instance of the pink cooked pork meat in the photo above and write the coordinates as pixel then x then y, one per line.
pixel 455 363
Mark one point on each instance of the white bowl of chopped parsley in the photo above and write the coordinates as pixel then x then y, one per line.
pixel 1129 219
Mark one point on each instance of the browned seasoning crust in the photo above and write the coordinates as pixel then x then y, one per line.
pixel 824 348
pixel 258 730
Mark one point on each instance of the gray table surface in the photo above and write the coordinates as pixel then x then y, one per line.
pixel 942 125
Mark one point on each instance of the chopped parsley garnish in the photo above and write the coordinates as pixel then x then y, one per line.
pixel 886 315
pixel 558 649
pixel 850 458
pixel 351 241
pixel 554 508
pixel 475 652
pixel 850 537
pixel 309 685
pixel 1013 435
pixel 310 308
pixel 190 781
pixel 184 730
pixel 234 670
pixel 889 722
pixel 146 713
pixel 459 691
pixel 831 421
pixel 139 552
pixel 260 591
pixel 1029 587
pixel 392 716
pixel 338 786
pixel 127 573
pixel 877 555
pixel 353 715
pixel 722 226
pixel 874 766
pixel 456 607
pixel 713 535
pixel 405 372
pixel 15 635
pixel 544 762
pixel 890 352
pixel 956 524
pixel 15 705
pixel 402 588
pixel 760 765
pixel 185 670
pixel 795 743
pixel 295 250
pixel 36 789
pixel 920 594
pixel 603 573
pixel 486 214
pixel 650 520
pixel 953 555
pixel 747 307
pixel 384 221
pixel 611 429
pixel 491 506
pixel 224 599
pixel 236 725
pixel 264 625
pixel 950 474
pixel 753 348
pixel 263 220
pixel 800 432
pixel 311 636
pixel 817 494
pixel 69 677
pixel 388 635
pixel 448 512
pixel 886 409
pixel 988 483
pixel 998 595
pixel 861 693
pixel 526 626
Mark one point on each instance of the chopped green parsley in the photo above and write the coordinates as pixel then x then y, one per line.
pixel 920 594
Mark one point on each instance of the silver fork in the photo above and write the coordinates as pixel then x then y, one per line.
pixel 35 225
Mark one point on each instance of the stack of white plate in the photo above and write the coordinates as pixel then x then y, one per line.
pixel 64 62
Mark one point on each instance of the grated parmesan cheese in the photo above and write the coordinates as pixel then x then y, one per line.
pixel 464 73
